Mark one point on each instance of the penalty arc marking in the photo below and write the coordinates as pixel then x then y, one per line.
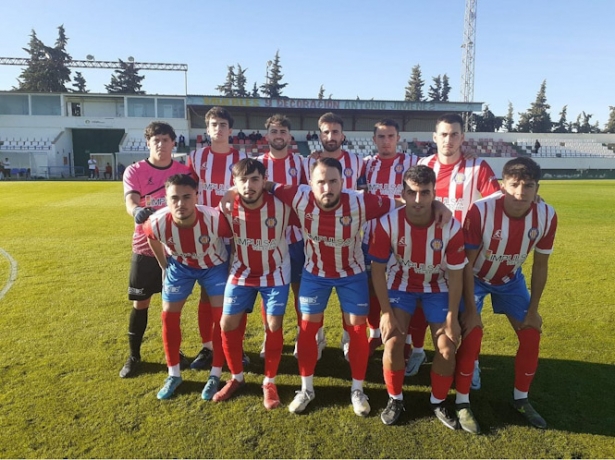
pixel 12 273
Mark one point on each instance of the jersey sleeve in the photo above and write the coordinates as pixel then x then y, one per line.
pixel 455 249
pixel 224 226
pixel 131 181
pixel 190 164
pixel 377 205
pixel 380 245
pixel 285 193
pixel 487 182
pixel 472 232
pixel 148 230
pixel 545 245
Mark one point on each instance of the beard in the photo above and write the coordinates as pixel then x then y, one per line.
pixel 332 203
pixel 331 146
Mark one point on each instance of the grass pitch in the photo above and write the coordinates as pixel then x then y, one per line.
pixel 63 340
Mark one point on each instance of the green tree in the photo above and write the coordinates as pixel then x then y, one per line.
pixel 487 122
pixel 446 89
pixel 562 125
pixel 228 87
pixel 610 125
pixel 47 69
pixel 508 120
pixel 583 125
pixel 79 84
pixel 414 90
pixel 240 82
pixel 537 117
pixel 126 80
pixel 321 92
pixel 523 126
pixel 255 92
pixel 273 87
pixel 435 90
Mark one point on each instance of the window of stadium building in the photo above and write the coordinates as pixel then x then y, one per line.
pixel 141 107
pixel 170 108
pixel 46 105
pixel 14 104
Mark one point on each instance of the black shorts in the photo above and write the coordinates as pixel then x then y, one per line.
pixel 145 277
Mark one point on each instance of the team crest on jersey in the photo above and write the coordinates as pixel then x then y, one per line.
pixel 346 220
pixel 399 168
pixel 436 244
pixel 271 222
pixel 459 178
pixel 497 235
pixel 204 239
pixel 402 241
pixel 532 234
pixel 348 172
pixel 293 171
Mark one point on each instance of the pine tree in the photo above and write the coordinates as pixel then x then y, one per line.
pixel 435 90
pixel 273 87
pixel 321 92
pixel 508 120
pixel 240 82
pixel 227 88
pixel 562 125
pixel 255 92
pixel 79 84
pixel 446 89
pixel 47 70
pixel 610 125
pixel 414 90
pixel 126 81
pixel 582 125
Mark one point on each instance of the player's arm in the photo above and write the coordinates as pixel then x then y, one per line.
pixel 226 203
pixel 452 329
pixel 159 252
pixel 134 208
pixel 540 269
pixel 442 214
pixel 389 326
pixel 470 318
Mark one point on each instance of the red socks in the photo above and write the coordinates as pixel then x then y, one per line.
pixel 394 381
pixel 526 361
pixel 232 344
pixel 171 336
pixel 467 353
pixel 373 318
pixel 358 351
pixel 273 352
pixel 440 385
pixel 307 350
pixel 205 321
pixel 218 358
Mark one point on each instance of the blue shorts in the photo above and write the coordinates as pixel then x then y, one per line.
pixel 352 292
pixel 435 304
pixel 297 260
pixel 512 298
pixel 239 299
pixel 180 278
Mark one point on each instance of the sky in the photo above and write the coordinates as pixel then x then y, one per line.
pixel 352 48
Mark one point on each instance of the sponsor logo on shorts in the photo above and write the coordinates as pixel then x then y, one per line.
pixel 532 234
pixel 436 244
pixel 308 300
pixel 363 305
pixel 230 300
pixel 136 291
pixel 171 289
pixel 394 300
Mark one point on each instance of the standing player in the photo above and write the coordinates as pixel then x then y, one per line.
pixel 212 167
pixel 185 239
pixel 144 193
pixel 261 264
pixel 286 168
pixel 501 231
pixel 331 220
pixel 428 266
pixel 332 138
pixel 383 175
pixel 460 182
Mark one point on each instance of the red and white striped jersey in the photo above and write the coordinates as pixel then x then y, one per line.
pixel 285 171
pixel 353 167
pixel 461 184
pixel 384 176
pixel 148 181
pixel 213 172
pixel 261 251
pixel 505 242
pixel 333 237
pixel 200 246
pixel 422 254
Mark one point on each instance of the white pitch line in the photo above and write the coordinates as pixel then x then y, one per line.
pixel 12 274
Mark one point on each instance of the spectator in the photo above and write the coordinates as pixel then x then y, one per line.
pixel 108 171
pixel 92 167
pixel 120 170
pixel 315 136
pixel 308 137
pixel 241 135
pixel 536 146
pixel 252 136
pixel 7 167
pixel 181 141
pixel 259 136
pixel 1 170
pixel 404 146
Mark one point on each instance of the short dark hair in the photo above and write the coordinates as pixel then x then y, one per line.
pixel 523 168
pixel 450 118
pixel 277 119
pixel 327 163
pixel 181 179
pixel 330 117
pixel 248 166
pixel 419 174
pixel 386 122
pixel 159 127
pixel 219 112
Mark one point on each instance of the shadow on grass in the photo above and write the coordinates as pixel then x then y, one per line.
pixel 571 395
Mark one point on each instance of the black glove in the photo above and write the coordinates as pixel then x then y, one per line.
pixel 141 214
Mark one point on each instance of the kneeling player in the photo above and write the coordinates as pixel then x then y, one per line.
pixel 428 268
pixel 190 233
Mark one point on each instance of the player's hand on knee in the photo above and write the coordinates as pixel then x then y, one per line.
pixel 389 327
pixel 142 214
pixel 468 321
pixel 533 320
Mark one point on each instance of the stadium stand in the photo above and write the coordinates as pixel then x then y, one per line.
pixel 566 148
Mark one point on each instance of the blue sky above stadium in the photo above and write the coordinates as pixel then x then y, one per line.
pixel 364 49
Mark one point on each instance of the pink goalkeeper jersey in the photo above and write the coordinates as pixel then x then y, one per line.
pixel 261 251
pixel 461 184
pixel 352 168
pixel 333 237
pixel 285 171
pixel 213 171
pixel 422 254
pixel 148 181
pixel 505 242
pixel 200 246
